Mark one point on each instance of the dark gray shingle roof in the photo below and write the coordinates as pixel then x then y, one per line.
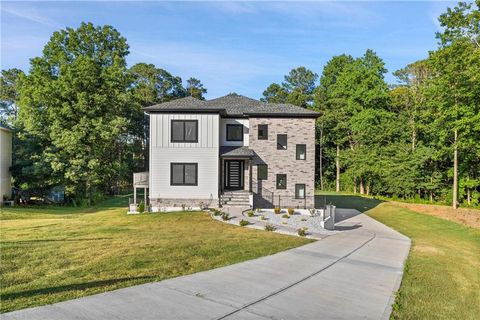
pixel 232 105
pixel 186 103
pixel 236 152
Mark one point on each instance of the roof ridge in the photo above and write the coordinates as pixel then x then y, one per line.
pixel 232 104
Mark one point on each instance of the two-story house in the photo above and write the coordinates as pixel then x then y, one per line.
pixel 232 150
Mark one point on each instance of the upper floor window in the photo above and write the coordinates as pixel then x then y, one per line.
pixel 183 174
pixel 281 142
pixel 234 132
pixel 263 132
pixel 301 152
pixel 184 131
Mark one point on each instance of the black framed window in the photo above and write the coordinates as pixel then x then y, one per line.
pixel 234 132
pixel 263 132
pixel 301 152
pixel 184 131
pixel 281 142
pixel 184 174
pixel 281 181
pixel 262 171
pixel 300 191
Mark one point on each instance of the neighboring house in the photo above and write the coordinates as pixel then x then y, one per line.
pixel 5 162
pixel 231 150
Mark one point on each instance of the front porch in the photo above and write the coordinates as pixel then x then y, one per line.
pixel 235 176
pixel 140 181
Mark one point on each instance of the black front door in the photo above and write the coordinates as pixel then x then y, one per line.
pixel 234 174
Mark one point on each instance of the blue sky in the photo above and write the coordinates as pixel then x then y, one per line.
pixel 233 46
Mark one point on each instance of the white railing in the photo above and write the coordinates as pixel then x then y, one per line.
pixel 140 178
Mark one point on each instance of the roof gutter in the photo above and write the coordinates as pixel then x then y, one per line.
pixel 284 115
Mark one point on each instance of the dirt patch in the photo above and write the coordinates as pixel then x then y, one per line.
pixel 468 217
pixel 427 249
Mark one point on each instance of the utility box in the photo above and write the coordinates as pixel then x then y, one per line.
pixel 328 218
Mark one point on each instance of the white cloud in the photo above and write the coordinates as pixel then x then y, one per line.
pixel 217 68
pixel 235 7
pixel 29 13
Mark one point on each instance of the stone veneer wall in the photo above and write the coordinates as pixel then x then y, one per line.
pixel 194 203
pixel 299 131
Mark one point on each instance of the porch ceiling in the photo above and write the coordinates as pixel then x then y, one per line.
pixel 236 152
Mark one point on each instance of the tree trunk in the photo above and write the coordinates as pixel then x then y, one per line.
pixel 431 196
pixel 337 161
pixel 455 171
pixel 321 157
pixel 367 189
pixel 354 185
pixel 414 135
pixel 362 187
pixel 469 197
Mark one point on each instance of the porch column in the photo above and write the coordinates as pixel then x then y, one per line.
pixel 250 175
pixel 134 195
pixel 220 178
pixel 145 196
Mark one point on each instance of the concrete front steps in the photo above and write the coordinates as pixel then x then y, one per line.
pixel 235 198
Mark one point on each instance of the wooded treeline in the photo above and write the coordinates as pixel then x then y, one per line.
pixel 77 114
pixel 417 139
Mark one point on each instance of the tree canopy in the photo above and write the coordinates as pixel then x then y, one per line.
pixel 419 138
pixel 78 113
pixel 298 88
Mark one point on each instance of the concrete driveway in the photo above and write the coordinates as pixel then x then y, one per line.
pixel 350 275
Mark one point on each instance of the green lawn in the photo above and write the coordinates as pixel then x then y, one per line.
pixel 52 254
pixel 442 274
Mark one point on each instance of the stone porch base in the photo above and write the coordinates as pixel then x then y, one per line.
pixel 182 202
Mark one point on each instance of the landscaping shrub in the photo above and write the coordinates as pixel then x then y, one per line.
pixel 286 216
pixel 277 210
pixel 225 216
pixel 291 211
pixel 262 217
pixel 216 212
pixel 243 223
pixel 269 227
pixel 302 232
pixel 250 214
pixel 141 207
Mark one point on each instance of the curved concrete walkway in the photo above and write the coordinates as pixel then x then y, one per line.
pixel 350 275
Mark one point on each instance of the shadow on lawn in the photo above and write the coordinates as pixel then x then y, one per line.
pixel 51 240
pixel 68 210
pixel 361 204
pixel 73 287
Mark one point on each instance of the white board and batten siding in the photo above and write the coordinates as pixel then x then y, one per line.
pixel 5 163
pixel 223 132
pixel 163 152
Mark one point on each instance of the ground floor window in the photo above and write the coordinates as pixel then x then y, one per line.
pixel 262 172
pixel 183 174
pixel 281 181
pixel 300 191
